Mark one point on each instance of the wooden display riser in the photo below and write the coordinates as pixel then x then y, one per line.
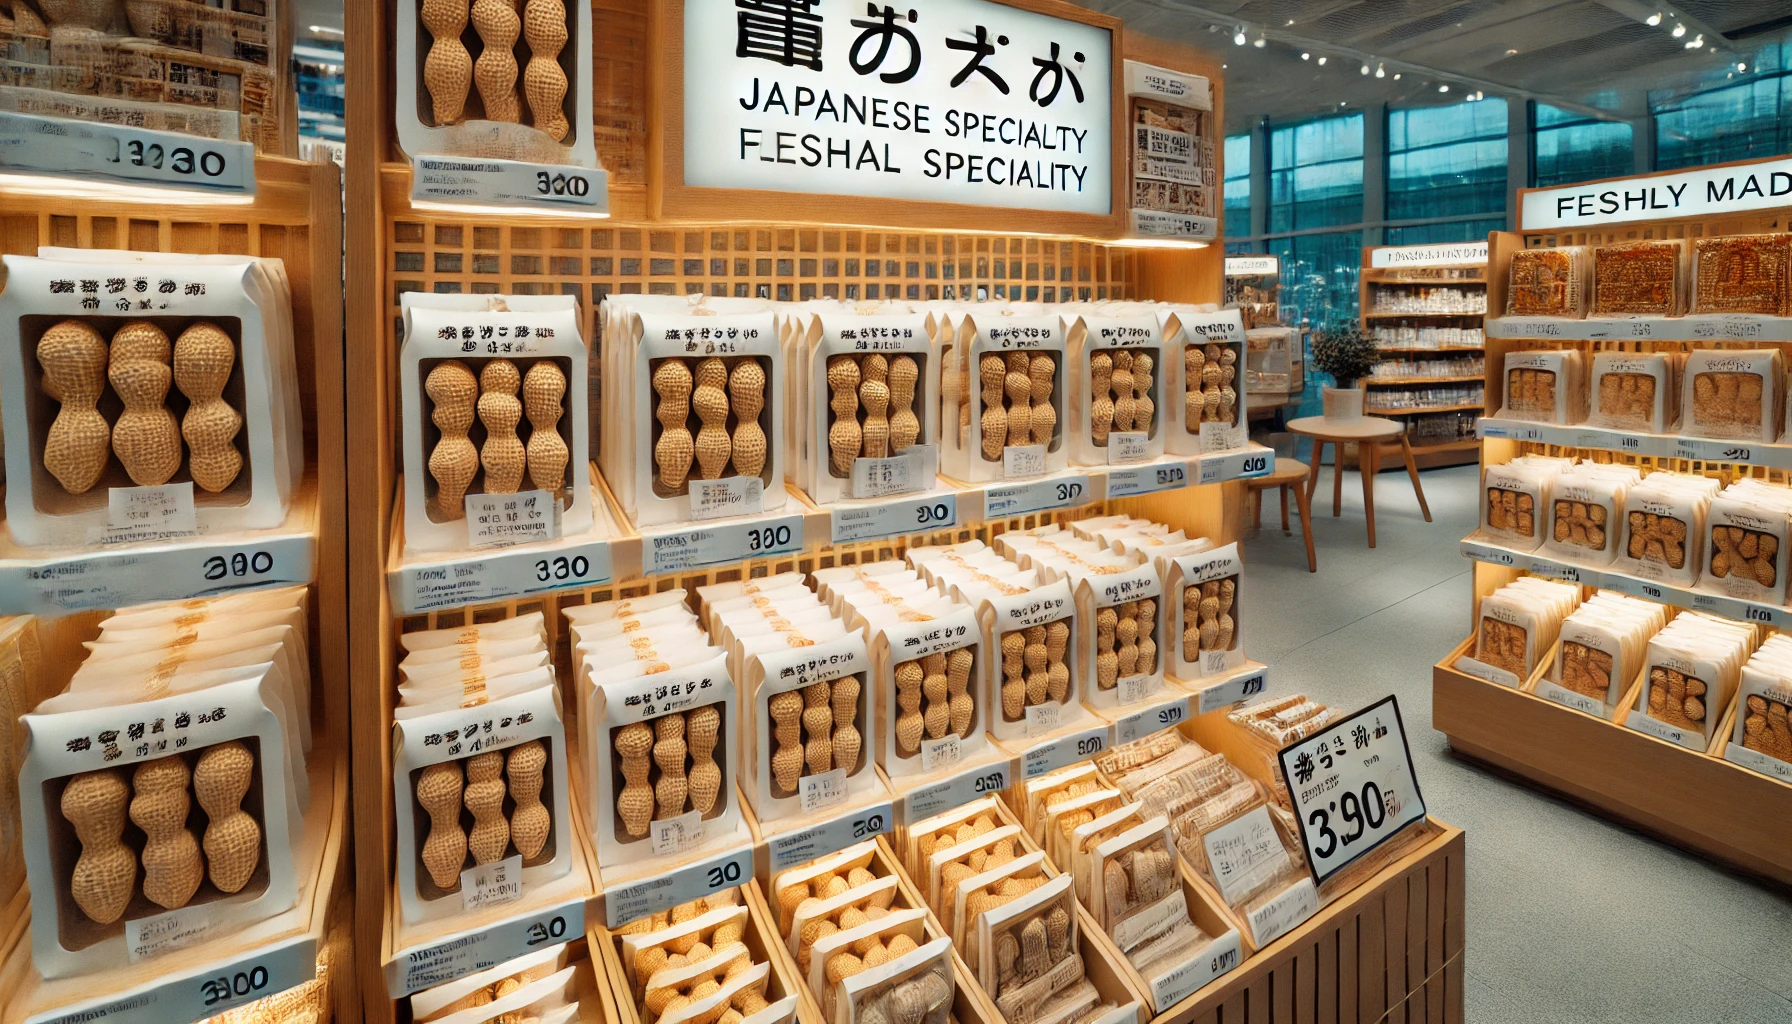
pixel 1703 803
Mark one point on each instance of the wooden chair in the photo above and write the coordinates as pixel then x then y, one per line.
pixel 1287 473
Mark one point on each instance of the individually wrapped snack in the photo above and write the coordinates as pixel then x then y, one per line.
pixel 1586 508
pixel 1545 385
pixel 1547 282
pixel 1602 651
pixel 864 947
pixel 1637 391
pixel 949 828
pixel 1643 278
pixel 1690 672
pixel 1747 535
pixel 1519 623
pixel 1028 949
pixel 1742 274
pixel 1762 736
pixel 1517 495
pixel 914 986
pixel 1733 393
pixel 1664 521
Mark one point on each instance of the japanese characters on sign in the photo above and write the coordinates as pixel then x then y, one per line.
pixel 968 101
pixel 1353 786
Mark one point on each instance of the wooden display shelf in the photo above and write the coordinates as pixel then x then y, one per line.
pixel 268 956
pixel 1691 798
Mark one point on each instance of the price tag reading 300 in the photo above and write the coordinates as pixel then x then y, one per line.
pixel 1353 787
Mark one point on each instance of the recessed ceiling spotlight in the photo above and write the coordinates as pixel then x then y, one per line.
pixel 1381 71
pixel 1304 55
pixel 1443 88
pixel 1679 30
pixel 1511 53
pixel 1365 69
pixel 1653 19
pixel 1238 36
pixel 1322 62
pixel 1290 22
pixel 1396 76
pixel 1742 65
pixel 1698 41
pixel 1261 42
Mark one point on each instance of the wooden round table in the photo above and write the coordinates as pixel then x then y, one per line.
pixel 1367 433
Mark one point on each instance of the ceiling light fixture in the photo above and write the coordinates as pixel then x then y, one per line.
pixel 1443 88
pixel 1679 30
pixel 1742 65
pixel 1511 53
pixel 1698 42
pixel 1396 76
pixel 1238 36
pixel 1365 69
pixel 1261 42
pixel 1381 71
pixel 1304 55
pixel 1322 62
pixel 1653 19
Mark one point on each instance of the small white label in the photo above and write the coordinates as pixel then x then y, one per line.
pixel 1001 502
pixel 1244 854
pixel 492 885
pixel 787 850
pixel 88 148
pixel 469 181
pixel 1213 663
pixel 728 497
pixel 1281 915
pixel 1772 767
pixel 456 956
pixel 1429 255
pixel 820 792
pixel 127 576
pixel 1488 553
pixel 1568 698
pixel 1163 475
pixel 1234 465
pixel 425 586
pixel 1221 437
pixel 897 517
pixel 674 836
pixel 1228 692
pixel 941 753
pixel 1250 266
pixel 1178 983
pixel 152 936
pixel 1482 670
pixel 501 520
pixel 913 470
pixel 1562 571
pixel 1023 460
pixel 1136 928
pixel 1158 224
pixel 1136 688
pixel 635 900
pixel 1043 718
pixel 681 549
pixel 150 513
pixel 1128 447
pixel 971 784
pixel 1688 738
pixel 1054 754
pixel 1146 721
pixel 1634 587
pixel 1703 449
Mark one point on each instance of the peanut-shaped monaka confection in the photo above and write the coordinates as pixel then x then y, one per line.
pixel 993 372
pixel 1121 384
pixel 786 712
pixel 448 69
pixel 673 451
pixel 910 723
pixel 1041 369
pixel 445 848
pixel 1107 663
pixel 203 355
pixel 818 726
pixel 1765 727
pixel 544 389
pixel 1228 587
pixel 544 81
pixel 1194 364
pixel 1014 684
pixel 498 26
pixel 484 800
pixel 525 765
pixel 634 805
pixel 1126 632
pixel 714 448
pixel 846 740
pixel 669 752
pixel 454 393
pixel 844 435
pixel 1191 622
pixel 172 868
pixel 958 680
pixel 500 411
pixel 105 873
pixel 1034 655
pixel 1019 387
pixel 905 426
pixel 1057 640
pixel 145 438
pixel 73 358
pixel 746 386
pixel 232 839
pixel 1101 402
pixel 934 687
pixel 1143 408
pixel 874 395
pixel 1677 699
pixel 703 727
pixel 1147 621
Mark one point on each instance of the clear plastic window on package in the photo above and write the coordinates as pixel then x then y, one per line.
pixel 1746 533
pixel 1585 512
pixel 1635 391
pixel 1546 385
pixel 1515 499
pixel 1602 648
pixel 1664 527
pixel 1117 400
pixel 703 961
pixel 1690 673
pixel 1519 623
pixel 1204 387
pixel 809 710
pixel 1762 729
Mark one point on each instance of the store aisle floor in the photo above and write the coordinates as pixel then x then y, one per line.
pixel 1571 918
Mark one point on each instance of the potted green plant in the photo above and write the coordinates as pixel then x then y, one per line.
pixel 1346 352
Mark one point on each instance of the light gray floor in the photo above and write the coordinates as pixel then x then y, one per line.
pixel 1570 917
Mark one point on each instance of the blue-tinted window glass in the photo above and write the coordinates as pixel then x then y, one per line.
pixel 1316 173
pixel 1238 184
pixel 1567 147
pixel 1319 274
pixel 1447 161
pixel 1745 121
pixel 1450 231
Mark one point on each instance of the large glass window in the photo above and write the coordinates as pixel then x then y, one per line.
pixel 1567 147
pixel 1447 161
pixel 1319 274
pixel 1316 174
pixel 1746 121
pixel 1238 184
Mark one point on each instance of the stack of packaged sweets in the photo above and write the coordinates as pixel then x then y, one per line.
pixel 1545 385
pixel 702 962
pixel 1519 623
pixel 1602 651
pixel 1636 391
pixel 1734 394
pixel 1586 509
pixel 1517 499
pixel 1746 533
pixel 1664 522
pixel 1690 671
pixel 542 985
pixel 1762 735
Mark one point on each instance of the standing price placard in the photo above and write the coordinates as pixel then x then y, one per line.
pixel 1353 787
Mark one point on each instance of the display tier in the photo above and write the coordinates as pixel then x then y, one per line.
pixel 1426 318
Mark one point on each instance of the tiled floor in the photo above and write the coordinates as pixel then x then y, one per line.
pixel 1570 917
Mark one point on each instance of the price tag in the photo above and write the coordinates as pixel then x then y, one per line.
pixel 1515 327
pixel 972 783
pixel 1742 326
pixel 633 900
pixel 1022 460
pixel 1235 465
pixel 1706 449
pixel 728 497
pixel 498 575
pixel 1353 786
pixel 136 514
pixel 1772 767
pixel 1691 739
pixel 146 937
pixel 1568 698
pixel 1639 588
pixel 1069 749
pixel 688 548
pixel 198 993
pixel 1490 673
pixel 493 884
pixel 172 572
pixel 1132 689
pixel 466 181
pixel 1002 501
pixel 1228 692
pixel 1561 571
pixel 463 953
pixel 1159 224
pixel 820 792
pixel 894 517
pixel 1162 475
pixel 855 826
pixel 501 520
pixel 914 470
pixel 87 149
pixel 1184 980
pixel 1281 915
pixel 1128 447
pixel 1147 720
pixel 674 836
pixel 1488 553
pixel 1491 428
pixel 1245 854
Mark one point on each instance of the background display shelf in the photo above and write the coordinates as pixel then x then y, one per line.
pixel 1439 441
